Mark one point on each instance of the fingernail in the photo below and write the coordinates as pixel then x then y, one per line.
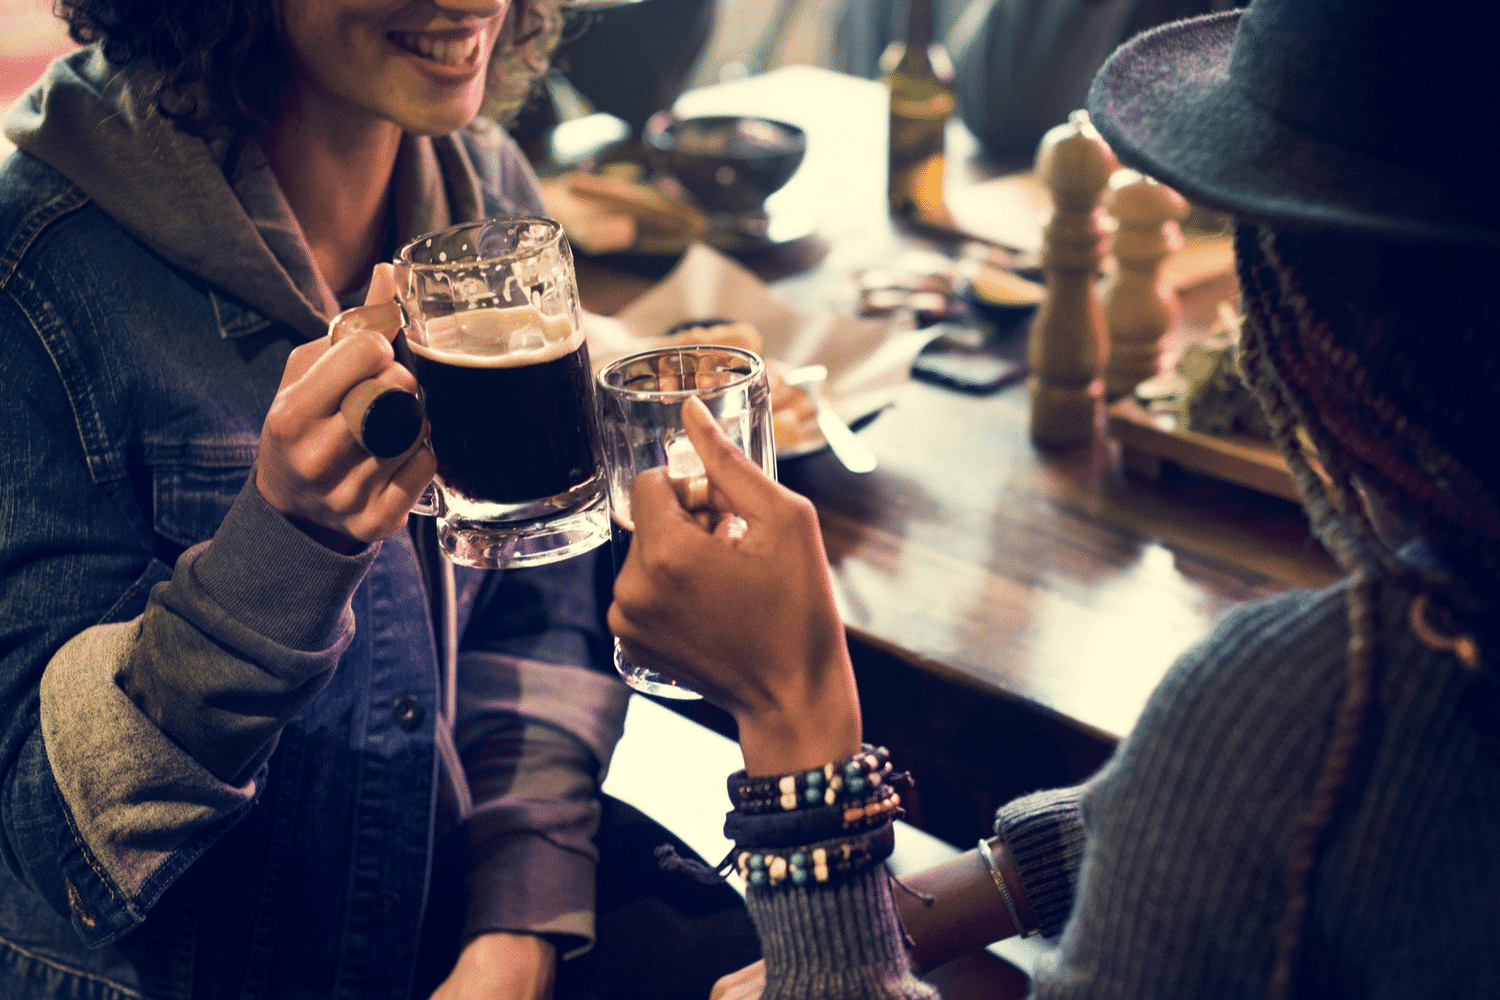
pixel 381 318
pixel 705 414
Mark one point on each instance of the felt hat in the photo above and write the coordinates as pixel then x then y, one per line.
pixel 1361 116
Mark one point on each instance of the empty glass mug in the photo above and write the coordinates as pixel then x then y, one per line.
pixel 494 337
pixel 641 398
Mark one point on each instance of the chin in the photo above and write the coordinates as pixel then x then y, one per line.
pixel 430 129
pixel 436 121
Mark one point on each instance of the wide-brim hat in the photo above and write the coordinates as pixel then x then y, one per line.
pixel 1362 116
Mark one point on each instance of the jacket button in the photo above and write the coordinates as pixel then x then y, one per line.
pixel 408 713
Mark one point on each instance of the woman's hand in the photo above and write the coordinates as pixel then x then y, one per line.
pixel 745 984
pixel 750 621
pixel 310 467
pixel 501 966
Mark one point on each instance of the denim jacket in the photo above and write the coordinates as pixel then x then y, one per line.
pixel 220 764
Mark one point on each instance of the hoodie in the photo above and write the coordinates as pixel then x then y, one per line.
pixel 143 702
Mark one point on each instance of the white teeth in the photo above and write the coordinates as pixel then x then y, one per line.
pixel 441 51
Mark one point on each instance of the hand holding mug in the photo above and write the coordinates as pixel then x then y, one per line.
pixel 746 618
pixel 310 467
pixel 642 397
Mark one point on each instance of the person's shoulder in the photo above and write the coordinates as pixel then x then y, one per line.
pixel 1266 627
pixel 33 194
pixel 67 268
pixel 1230 738
pixel 1271 666
pixel 1278 635
pixel 1272 673
pixel 47 225
pixel 52 231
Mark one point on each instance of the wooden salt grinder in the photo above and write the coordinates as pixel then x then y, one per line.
pixel 1140 306
pixel 1069 340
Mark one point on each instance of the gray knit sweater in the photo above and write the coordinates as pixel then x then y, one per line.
pixel 1165 873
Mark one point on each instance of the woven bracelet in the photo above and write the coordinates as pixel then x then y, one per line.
pixel 849 778
pixel 813 864
pixel 1010 903
pixel 803 825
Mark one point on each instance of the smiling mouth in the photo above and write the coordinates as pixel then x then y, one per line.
pixel 443 51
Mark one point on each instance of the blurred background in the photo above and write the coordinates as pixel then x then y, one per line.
pixel 636 59
pixel 30 36
pixel 688 43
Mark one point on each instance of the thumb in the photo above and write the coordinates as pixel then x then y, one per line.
pixel 382 318
pixel 380 313
pixel 743 485
pixel 382 284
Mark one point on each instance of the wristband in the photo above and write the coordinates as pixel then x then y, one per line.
pixel 814 863
pixel 1010 903
pixel 852 777
pixel 777 829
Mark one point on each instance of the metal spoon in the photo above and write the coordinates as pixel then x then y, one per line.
pixel 848 449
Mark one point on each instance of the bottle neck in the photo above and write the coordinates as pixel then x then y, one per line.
pixel 918 26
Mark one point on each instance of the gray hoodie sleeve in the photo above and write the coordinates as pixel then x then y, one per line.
pixel 155 728
pixel 247 631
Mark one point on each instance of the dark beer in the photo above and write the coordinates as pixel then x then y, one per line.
pixel 513 427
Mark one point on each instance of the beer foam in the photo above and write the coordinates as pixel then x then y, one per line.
pixel 499 337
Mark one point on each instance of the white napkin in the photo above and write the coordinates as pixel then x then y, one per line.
pixel 868 360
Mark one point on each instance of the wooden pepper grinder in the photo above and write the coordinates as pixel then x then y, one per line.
pixel 1140 306
pixel 1069 339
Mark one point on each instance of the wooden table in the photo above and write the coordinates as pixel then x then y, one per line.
pixel 1011 608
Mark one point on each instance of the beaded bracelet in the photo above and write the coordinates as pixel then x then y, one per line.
pixel 802 825
pixel 814 788
pixel 1010 903
pixel 765 868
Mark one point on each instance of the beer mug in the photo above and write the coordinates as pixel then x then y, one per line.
pixel 494 337
pixel 642 396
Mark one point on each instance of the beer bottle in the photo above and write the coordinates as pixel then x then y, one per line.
pixel 919 74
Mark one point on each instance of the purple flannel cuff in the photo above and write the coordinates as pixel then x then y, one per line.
pixel 525 883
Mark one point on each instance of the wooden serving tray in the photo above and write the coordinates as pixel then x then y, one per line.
pixel 1147 441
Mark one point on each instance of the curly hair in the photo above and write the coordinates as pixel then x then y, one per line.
pixel 1381 359
pixel 218 65
pixel 522 57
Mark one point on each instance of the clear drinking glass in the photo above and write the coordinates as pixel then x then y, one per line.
pixel 641 398
pixel 495 341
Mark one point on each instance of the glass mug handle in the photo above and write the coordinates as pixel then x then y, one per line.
pixel 430 503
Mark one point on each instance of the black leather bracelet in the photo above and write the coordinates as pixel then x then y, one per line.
pixel 784 829
pixel 813 864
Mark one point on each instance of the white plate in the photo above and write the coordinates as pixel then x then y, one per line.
pixel 868 360
pixel 810 441
pixel 810 438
